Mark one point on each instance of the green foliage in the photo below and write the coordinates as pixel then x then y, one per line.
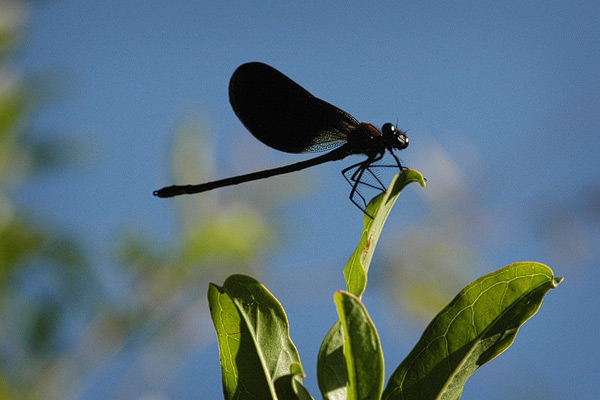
pixel 41 268
pixel 253 333
pixel 361 348
pixel 358 266
pixel 479 324
pixel 259 359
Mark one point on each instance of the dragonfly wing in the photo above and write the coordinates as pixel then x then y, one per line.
pixel 282 114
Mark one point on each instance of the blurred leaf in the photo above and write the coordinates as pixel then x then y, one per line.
pixel 13 109
pixel 57 153
pixel 6 390
pixel 139 252
pixel 11 26
pixel 17 241
pixel 362 348
pixel 427 270
pixel 235 235
pixel 43 321
pixel 13 105
pixel 358 265
pixel 253 333
pixel 479 324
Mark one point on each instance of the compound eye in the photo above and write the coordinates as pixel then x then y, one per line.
pixel 402 141
pixel 388 129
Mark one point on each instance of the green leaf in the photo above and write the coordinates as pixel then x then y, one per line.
pixel 332 374
pixel 362 348
pixel 478 324
pixel 253 334
pixel 358 265
pixel 290 386
pixel 331 365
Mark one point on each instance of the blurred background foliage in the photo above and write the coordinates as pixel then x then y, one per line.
pixel 60 318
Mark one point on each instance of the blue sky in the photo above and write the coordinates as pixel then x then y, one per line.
pixel 505 94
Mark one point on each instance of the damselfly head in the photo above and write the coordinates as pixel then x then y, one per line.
pixel 396 137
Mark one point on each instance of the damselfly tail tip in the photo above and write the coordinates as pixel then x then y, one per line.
pixel 163 193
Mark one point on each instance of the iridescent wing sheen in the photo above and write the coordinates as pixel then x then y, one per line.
pixel 282 114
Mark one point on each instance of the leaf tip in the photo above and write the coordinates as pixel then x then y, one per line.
pixel 296 369
pixel 214 286
pixel 557 281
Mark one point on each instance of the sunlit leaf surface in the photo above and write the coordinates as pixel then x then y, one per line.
pixel 479 324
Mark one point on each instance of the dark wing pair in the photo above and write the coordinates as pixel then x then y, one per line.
pixel 282 114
